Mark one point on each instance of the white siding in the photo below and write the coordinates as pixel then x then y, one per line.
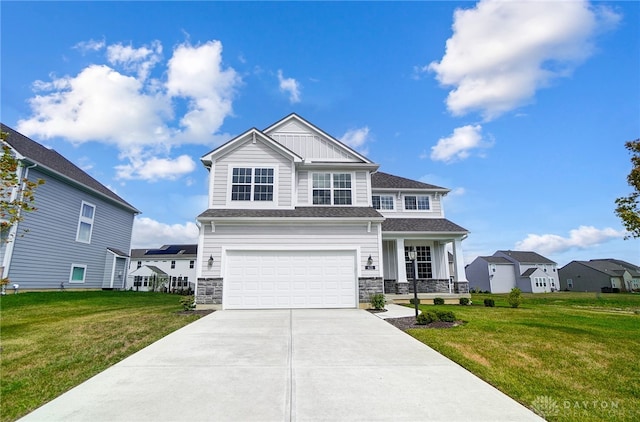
pixel 435 205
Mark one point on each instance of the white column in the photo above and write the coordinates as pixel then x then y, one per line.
pixel 458 261
pixel 402 269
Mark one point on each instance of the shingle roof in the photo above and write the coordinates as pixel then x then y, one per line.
pixel 529 272
pixel 298 212
pixel 118 252
pixel 610 266
pixel 528 257
pixel 166 251
pixel 421 225
pixel 380 180
pixel 48 158
pixel 496 260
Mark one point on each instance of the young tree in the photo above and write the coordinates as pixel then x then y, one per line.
pixel 628 207
pixel 16 194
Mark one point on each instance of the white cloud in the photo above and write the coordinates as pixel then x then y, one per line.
pixel 148 233
pixel 291 86
pixel 120 104
pixel 502 52
pixel 156 168
pixel 91 45
pixel 458 146
pixel 357 139
pixel 581 238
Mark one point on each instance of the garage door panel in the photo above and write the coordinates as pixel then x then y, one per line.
pixel 290 279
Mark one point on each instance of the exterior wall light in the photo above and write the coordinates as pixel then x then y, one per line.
pixel 210 260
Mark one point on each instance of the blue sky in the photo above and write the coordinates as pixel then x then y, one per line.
pixel 520 108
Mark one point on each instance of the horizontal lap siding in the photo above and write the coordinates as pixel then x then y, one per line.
pixel 292 237
pixel 252 155
pixel 42 258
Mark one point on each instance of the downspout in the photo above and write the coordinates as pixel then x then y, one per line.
pixel 8 254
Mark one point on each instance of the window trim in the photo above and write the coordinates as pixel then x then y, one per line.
pixel 332 188
pixel 428 263
pixel 380 196
pixel 84 274
pixel 417 209
pixel 243 203
pixel 86 220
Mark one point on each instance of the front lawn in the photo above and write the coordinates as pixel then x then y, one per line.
pixel 53 341
pixel 570 356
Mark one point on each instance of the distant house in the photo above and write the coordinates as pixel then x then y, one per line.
pixel 600 275
pixel 80 234
pixel 170 266
pixel 505 270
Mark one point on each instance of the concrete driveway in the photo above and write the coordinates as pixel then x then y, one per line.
pixel 285 365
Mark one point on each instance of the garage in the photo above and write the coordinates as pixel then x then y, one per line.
pixel 290 279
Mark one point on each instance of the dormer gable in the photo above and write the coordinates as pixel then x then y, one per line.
pixel 311 143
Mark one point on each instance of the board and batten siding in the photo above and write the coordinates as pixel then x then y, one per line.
pixel 291 237
pixel 42 258
pixel 251 154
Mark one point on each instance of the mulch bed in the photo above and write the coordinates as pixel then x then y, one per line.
pixel 201 312
pixel 407 323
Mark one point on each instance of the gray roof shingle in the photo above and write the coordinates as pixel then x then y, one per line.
pixel 527 257
pixel 381 180
pixel 421 225
pixel 48 158
pixel 612 266
pixel 496 260
pixel 298 212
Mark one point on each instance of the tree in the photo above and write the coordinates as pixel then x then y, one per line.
pixel 17 195
pixel 515 297
pixel 628 207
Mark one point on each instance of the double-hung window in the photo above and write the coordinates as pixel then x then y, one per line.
pixel 252 184
pixel 415 202
pixel 85 222
pixel 331 188
pixel 382 202
pixel 423 262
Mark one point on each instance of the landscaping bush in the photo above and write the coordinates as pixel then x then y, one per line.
pixel 378 301
pixel 446 316
pixel 426 318
pixel 438 301
pixel 490 303
pixel 464 301
pixel 188 303
pixel 515 297
pixel 413 301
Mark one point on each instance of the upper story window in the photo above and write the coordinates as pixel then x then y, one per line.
pixel 331 188
pixel 382 202
pixel 173 265
pixel 192 264
pixel 139 264
pixel 248 180
pixel 414 202
pixel 85 222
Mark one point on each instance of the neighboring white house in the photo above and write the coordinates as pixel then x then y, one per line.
pixel 505 270
pixel 172 266
pixel 296 219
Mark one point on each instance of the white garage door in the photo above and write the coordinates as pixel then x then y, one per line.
pixel 289 279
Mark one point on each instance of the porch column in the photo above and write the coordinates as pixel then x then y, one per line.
pixel 458 261
pixel 402 269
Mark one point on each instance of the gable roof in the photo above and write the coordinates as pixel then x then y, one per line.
pixel 496 260
pixel 381 180
pixel 422 225
pixel 52 162
pixel 166 251
pixel 293 117
pixel 527 257
pixel 612 266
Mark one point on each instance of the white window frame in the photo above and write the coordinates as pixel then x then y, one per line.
pixel 86 220
pixel 417 209
pixel 389 199
pixel 332 187
pixel 84 274
pixel 424 262
pixel 570 283
pixel 253 184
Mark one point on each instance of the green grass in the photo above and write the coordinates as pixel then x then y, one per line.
pixel 52 341
pixel 580 351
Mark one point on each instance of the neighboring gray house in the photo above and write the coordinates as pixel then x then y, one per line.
pixel 297 219
pixel 80 234
pixel 172 266
pixel 598 275
pixel 505 270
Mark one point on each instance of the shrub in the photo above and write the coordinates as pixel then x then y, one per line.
pixel 426 318
pixel 464 301
pixel 438 301
pixel 413 301
pixel 378 301
pixel 490 303
pixel 515 297
pixel 187 302
pixel 446 316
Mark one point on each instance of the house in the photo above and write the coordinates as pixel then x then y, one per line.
pixel 170 266
pixel 297 219
pixel 80 234
pixel 600 275
pixel 504 270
